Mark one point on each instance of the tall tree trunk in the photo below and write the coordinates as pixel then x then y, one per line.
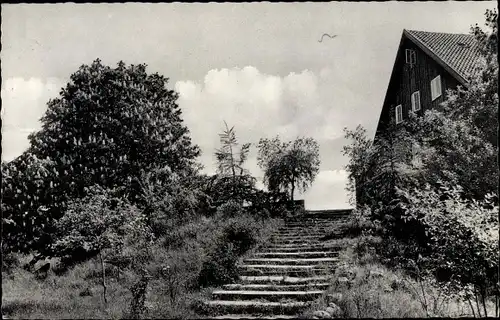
pixel 483 301
pixel 103 279
pixel 471 307
pixel 293 189
pixel 477 301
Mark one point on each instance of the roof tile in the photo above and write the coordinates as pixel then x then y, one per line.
pixel 458 51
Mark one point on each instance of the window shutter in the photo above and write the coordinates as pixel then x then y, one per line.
pixel 436 88
pixel 418 101
pixel 399 113
pixel 415 101
pixel 410 56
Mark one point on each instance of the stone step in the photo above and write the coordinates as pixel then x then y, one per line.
pixel 299 234
pixel 285 267
pixel 313 224
pixel 334 220
pixel 319 235
pixel 277 287
pixel 292 272
pixel 283 280
pixel 251 317
pixel 330 211
pixel 303 227
pixel 251 307
pixel 314 228
pixel 302 254
pixel 318 218
pixel 293 242
pixel 292 236
pixel 290 261
pixel 299 248
pixel 297 237
pixel 274 296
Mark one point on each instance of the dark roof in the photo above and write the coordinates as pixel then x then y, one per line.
pixel 457 52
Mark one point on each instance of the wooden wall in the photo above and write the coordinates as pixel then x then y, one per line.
pixel 408 79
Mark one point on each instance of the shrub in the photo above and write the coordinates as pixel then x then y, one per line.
pixel 220 267
pixel 237 237
pixel 229 209
pixel 463 237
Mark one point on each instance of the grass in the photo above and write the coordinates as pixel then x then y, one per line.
pixel 376 291
pixel 169 296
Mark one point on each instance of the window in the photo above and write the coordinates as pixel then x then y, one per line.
pixel 411 56
pixel 436 88
pixel 415 101
pixel 399 114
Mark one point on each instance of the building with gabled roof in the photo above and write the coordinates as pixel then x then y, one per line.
pixel 426 65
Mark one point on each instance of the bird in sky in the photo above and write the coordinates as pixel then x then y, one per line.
pixel 326 34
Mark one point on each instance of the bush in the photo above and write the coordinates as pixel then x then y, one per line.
pixel 220 267
pixel 238 236
pixel 229 209
pixel 462 236
pixel 362 287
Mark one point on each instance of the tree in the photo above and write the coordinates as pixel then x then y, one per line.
pixel 232 177
pixel 458 144
pixel 107 126
pixel 447 201
pixel 28 191
pixel 99 223
pixel 376 168
pixel 230 162
pixel 463 238
pixel 288 165
pixel 169 199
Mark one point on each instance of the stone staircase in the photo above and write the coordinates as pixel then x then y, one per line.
pixel 282 277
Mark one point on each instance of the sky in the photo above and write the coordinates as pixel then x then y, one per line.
pixel 257 66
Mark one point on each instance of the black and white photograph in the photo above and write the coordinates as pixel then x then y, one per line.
pixel 257 160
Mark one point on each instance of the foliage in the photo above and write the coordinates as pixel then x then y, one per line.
pixel 229 209
pixel 426 181
pixel 170 199
pixel 29 202
pixel 107 125
pixel 463 237
pixel 229 161
pixel 121 119
pixel 239 235
pixel 99 221
pixel 288 165
pixel 375 291
pixel 376 168
pixel 222 189
pixel 232 180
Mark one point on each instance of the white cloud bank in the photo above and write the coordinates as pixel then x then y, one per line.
pixel 261 105
pixel 24 102
pixel 257 104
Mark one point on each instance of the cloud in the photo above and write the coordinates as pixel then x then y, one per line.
pixel 262 105
pixel 23 104
pixel 259 105
pixel 328 191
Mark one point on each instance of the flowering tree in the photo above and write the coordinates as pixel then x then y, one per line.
pixel 106 127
